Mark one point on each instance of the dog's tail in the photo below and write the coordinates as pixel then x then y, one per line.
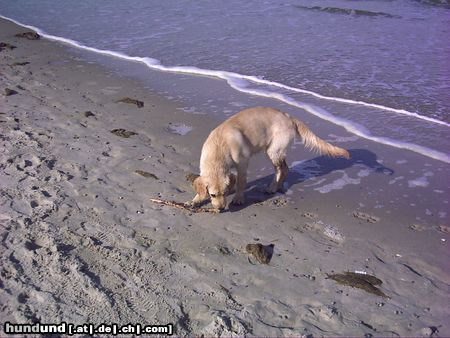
pixel 313 142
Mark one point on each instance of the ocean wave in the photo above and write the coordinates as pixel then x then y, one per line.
pixel 241 83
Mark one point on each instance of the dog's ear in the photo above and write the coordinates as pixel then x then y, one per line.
pixel 200 187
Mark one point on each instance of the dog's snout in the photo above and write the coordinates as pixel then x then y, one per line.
pixel 219 206
pixel 219 202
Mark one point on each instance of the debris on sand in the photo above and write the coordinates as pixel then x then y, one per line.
pixel 366 217
pixel 29 35
pixel 146 174
pixel 20 63
pixel 262 253
pixel 4 45
pixel 184 206
pixel 88 113
pixel 129 100
pixel 123 133
pixel 362 281
pixel 9 92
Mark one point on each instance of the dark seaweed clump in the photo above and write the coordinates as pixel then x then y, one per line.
pixel 146 174
pixel 20 63
pixel 5 45
pixel 9 92
pixel 347 11
pixel 29 35
pixel 438 3
pixel 262 253
pixel 123 133
pixel 129 100
pixel 365 282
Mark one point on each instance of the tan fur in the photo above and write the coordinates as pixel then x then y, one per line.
pixel 232 143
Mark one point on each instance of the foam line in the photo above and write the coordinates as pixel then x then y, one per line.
pixel 155 64
pixel 350 126
pixel 337 99
pixel 238 82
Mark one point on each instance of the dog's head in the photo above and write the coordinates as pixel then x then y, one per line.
pixel 216 188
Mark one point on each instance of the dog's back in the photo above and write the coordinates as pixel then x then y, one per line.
pixel 257 128
pixel 260 128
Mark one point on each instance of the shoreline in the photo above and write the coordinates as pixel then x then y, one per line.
pixel 234 80
pixel 82 242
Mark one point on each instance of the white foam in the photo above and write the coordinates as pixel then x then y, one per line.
pixel 332 138
pixel 338 183
pixel 396 179
pixel 337 99
pixel 308 169
pixel 179 128
pixel 363 173
pixel 350 126
pixel 418 182
pixel 240 83
pixel 315 183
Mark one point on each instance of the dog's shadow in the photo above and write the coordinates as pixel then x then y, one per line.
pixel 305 170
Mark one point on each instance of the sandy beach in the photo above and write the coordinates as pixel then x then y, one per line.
pixel 83 243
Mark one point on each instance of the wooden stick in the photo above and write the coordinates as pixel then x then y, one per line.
pixel 183 206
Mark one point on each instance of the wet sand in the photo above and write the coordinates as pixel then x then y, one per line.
pixel 83 243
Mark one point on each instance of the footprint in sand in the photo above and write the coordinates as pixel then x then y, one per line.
pixel 224 325
pixel 110 90
pixel 417 227
pixel 277 202
pixel 144 239
pixel 366 217
pixel 444 228
pixel 326 231
pixel 309 215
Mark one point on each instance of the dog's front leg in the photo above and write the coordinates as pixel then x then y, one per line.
pixel 241 182
pixel 198 199
pixel 201 192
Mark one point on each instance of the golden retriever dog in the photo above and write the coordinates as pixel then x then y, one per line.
pixel 230 146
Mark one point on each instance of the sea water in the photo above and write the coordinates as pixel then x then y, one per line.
pixel 378 68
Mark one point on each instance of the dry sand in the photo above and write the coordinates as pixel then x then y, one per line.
pixel 82 243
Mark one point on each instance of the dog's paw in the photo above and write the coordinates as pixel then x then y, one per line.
pixel 238 200
pixel 190 204
pixel 270 190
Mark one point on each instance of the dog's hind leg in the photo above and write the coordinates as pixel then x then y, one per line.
pixel 281 172
pixel 277 155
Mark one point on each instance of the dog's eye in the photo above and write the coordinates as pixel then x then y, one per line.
pixel 213 195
